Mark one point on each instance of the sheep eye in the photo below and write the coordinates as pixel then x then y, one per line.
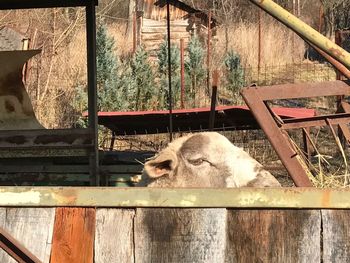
pixel 197 162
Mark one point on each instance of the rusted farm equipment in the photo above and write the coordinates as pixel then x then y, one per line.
pixel 275 128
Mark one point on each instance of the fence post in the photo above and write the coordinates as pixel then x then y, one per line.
pixel 182 58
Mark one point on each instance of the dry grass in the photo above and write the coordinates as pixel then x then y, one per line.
pixel 279 44
pixel 69 71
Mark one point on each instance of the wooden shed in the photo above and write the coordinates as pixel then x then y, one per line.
pixel 185 21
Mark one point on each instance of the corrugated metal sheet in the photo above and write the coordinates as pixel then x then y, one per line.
pixel 226 118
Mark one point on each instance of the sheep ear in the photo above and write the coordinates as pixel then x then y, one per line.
pixel 162 164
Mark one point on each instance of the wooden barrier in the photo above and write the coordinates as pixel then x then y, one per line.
pixel 149 234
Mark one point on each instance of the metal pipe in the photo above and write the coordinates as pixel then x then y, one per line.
pixel 134 32
pixel 259 43
pixel 304 30
pixel 213 100
pixel 182 60
pixel 92 88
pixel 170 99
pixel 208 52
pixel 335 63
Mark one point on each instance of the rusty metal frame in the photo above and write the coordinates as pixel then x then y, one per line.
pixel 343 128
pixel 16 250
pixel 275 130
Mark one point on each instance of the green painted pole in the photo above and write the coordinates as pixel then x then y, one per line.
pixel 304 30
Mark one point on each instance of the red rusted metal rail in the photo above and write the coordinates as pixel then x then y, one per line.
pixel 16 250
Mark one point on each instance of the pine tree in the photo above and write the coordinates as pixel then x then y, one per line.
pixel 143 88
pixel 235 73
pixel 163 95
pixel 194 66
pixel 110 96
pixel 111 93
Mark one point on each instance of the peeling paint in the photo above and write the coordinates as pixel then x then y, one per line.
pixel 33 197
pixel 140 202
pixel 293 198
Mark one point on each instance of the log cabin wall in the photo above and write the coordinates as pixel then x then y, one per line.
pixel 152 25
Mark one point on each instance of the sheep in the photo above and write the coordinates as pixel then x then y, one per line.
pixel 206 159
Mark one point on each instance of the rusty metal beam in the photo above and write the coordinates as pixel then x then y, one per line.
pixel 171 197
pixel 304 90
pixel 335 63
pixel 282 145
pixel 345 132
pixel 307 143
pixel 344 128
pixel 16 250
pixel 316 121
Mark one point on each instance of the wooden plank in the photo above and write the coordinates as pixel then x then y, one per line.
pixel 336 235
pixel 273 236
pixel 163 30
pixel 180 235
pixel 114 235
pixel 32 227
pixel 73 235
pixel 175 197
pixel 151 22
pixel 160 37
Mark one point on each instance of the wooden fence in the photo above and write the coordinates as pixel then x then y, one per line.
pixel 286 225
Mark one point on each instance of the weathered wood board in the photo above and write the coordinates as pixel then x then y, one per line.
pixel 273 236
pixel 114 236
pixel 32 227
pixel 180 235
pixel 73 235
pixel 336 235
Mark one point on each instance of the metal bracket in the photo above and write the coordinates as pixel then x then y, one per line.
pixel 16 250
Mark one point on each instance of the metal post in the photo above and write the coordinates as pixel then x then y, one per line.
pixel 182 58
pixel 320 18
pixel 208 52
pixel 259 43
pixel 338 41
pixel 111 146
pixel 169 74
pixel 134 30
pixel 213 100
pixel 306 143
pixel 92 89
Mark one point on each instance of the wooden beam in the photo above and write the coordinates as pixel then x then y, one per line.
pixel 180 197
pixel 73 235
